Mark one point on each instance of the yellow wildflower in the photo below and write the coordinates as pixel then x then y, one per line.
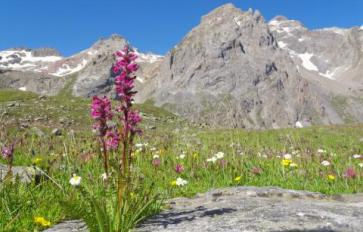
pixel 173 183
pixel 238 178
pixel 42 221
pixel 37 161
pixel 286 162
pixel 331 177
pixel 195 155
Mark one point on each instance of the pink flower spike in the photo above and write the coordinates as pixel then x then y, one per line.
pixel 179 168
pixel 7 151
pixel 132 67
pixel 156 162
pixel 112 140
pixel 350 173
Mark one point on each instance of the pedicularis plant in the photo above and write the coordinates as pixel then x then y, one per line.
pixel 111 136
pixel 118 207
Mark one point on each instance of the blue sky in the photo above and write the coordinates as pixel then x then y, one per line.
pixel 150 25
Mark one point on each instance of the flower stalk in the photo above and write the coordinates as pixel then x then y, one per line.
pixel 101 111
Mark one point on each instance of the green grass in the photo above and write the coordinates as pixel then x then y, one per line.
pixel 15 95
pixel 244 153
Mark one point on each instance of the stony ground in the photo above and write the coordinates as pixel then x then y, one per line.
pixel 253 209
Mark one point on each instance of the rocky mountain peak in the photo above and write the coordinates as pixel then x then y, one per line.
pixel 109 44
pixel 223 11
pixel 230 13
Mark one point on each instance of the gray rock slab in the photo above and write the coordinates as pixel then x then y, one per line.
pixel 260 209
pixel 69 226
pixel 25 174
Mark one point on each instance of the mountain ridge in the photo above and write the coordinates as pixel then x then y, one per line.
pixel 235 69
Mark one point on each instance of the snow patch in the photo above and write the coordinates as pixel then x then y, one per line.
pixel 282 44
pixel 306 63
pixel 147 58
pixel 24 60
pixel 236 20
pixel 22 88
pixel 67 70
pixel 298 125
pixel 331 74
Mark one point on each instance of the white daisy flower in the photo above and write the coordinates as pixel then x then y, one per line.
pixel 325 163
pixel 357 156
pixel 181 182
pixel 75 180
pixel 287 156
pixel 213 159
pixel 219 155
pixel 181 156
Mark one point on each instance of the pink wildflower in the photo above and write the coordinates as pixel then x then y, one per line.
pixel 112 140
pixel 156 162
pixel 101 112
pixel 350 173
pixel 179 168
pixel 7 151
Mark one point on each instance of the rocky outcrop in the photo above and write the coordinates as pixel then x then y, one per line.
pixel 97 77
pixel 260 209
pixel 24 174
pixel 69 226
pixel 29 81
pixel 230 72
pixel 255 209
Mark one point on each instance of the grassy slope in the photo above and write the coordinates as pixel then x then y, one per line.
pixel 245 152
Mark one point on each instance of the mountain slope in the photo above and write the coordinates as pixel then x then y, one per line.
pixel 45 71
pixel 230 72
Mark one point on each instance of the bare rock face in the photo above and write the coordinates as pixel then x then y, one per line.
pixel 260 209
pixel 97 78
pixel 230 72
pixel 30 81
pixel 25 174
pixel 69 226
pixel 252 209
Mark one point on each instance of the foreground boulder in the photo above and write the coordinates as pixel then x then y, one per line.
pixel 252 209
pixel 68 226
pixel 25 174
pixel 260 209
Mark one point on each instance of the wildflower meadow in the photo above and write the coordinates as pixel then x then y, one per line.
pixel 119 162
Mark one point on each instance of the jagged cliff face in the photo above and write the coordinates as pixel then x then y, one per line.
pixel 330 53
pixel 229 71
pixel 96 77
pixel 232 70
